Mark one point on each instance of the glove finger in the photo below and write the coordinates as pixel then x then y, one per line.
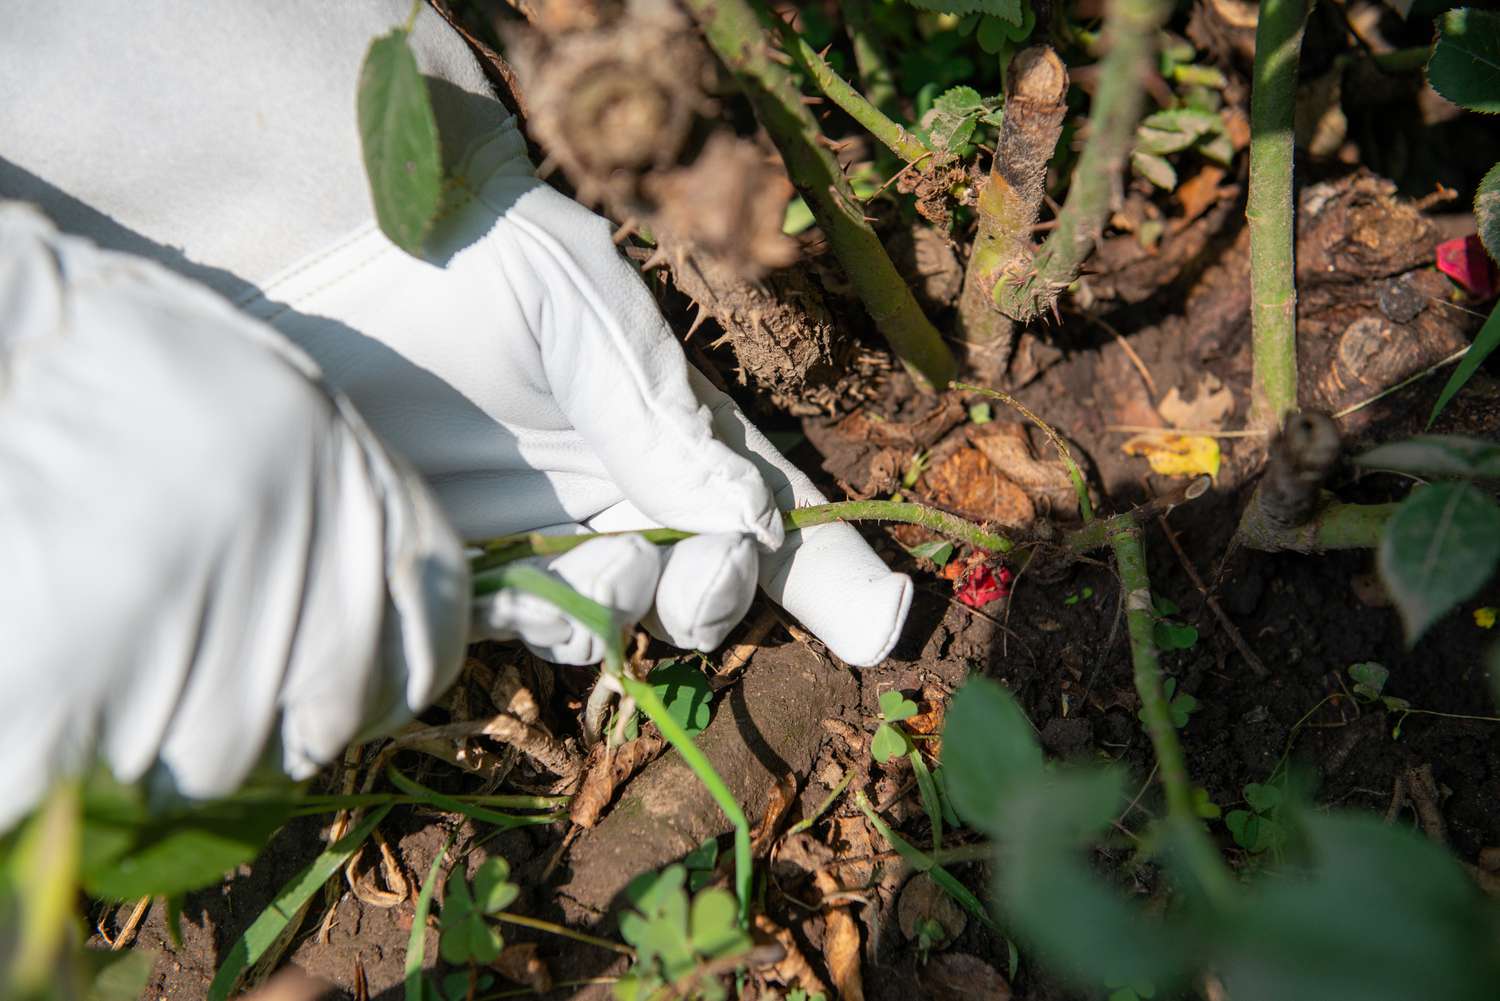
pixel 707 581
pixel 621 378
pixel 619 572
pixel 826 576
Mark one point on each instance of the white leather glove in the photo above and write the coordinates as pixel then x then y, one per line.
pixel 523 368
pixel 202 549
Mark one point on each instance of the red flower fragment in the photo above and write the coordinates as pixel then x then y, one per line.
pixel 1465 261
pixel 981 585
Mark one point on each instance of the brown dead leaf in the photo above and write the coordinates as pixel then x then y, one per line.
pixel 362 881
pixel 792 969
pixel 782 794
pixel 840 943
pixel 1212 403
pixel 969 483
pixel 923 900
pixel 1197 194
pixel 605 774
pixel 1007 445
pixel 520 964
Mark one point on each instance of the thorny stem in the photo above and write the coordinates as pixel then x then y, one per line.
pixel 734 32
pixel 1140 619
pixel 1011 198
pixel 1269 212
pixel 507 548
pixel 901 142
pixel 1131 31
pixel 874 70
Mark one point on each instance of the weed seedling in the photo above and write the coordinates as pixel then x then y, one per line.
pixel 467 936
pixel 682 942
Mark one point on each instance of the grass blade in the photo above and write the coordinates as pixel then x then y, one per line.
pixel 264 929
pixel 1485 342
pixel 416 944
pixel 444 802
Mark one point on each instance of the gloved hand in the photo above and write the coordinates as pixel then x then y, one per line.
pixel 202 549
pixel 523 367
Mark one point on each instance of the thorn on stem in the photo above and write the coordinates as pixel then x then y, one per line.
pixel 627 227
pixel 656 260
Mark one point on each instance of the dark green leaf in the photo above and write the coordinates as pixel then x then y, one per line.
pixel 1077 924
pixel 1437 455
pixel 130 852
pixel 1384 916
pixel 1371 677
pixel 988 745
pixel 119 976
pixel 887 743
pixel 398 133
pixel 1175 635
pixel 714 919
pixel 959 101
pixel 1437 550
pixel 1009 10
pixel 686 692
pixel 1262 798
pixel 1485 343
pixel 1465 64
pixel 1487 211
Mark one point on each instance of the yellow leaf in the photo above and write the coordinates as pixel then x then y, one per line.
pixel 1484 617
pixel 1176 454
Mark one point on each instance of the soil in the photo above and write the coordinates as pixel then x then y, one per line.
pixel 790 722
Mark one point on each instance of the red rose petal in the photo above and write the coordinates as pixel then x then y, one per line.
pixel 1466 262
pixel 981 585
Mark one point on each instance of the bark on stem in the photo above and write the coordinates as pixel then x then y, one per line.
pixel 1011 199
pixel 1269 212
pixel 1130 33
pixel 736 35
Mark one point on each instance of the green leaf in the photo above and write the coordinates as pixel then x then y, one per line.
pixel 266 928
pixel 1154 169
pixel 1262 798
pixel 685 691
pixel 493 892
pixel 700 864
pixel 981 413
pixel 1382 914
pixel 716 932
pixel 988 746
pixel 896 707
pixel 130 851
pixel 1008 10
pixel 1485 342
pixel 1465 63
pixel 887 743
pixel 39 891
pixel 1487 211
pixel 1175 130
pixel 959 101
pixel 119 976
pixel 445 802
pixel 1437 550
pixel 1077 924
pixel 1369 678
pixel 939 551
pixel 1437 455
pixel 1175 635
pixel 398 134
pixel 798 218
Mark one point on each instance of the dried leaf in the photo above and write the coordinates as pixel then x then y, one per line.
pixel 1176 454
pixel 967 482
pixel 1212 402
pixel 606 773
pixel 792 969
pixel 840 944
